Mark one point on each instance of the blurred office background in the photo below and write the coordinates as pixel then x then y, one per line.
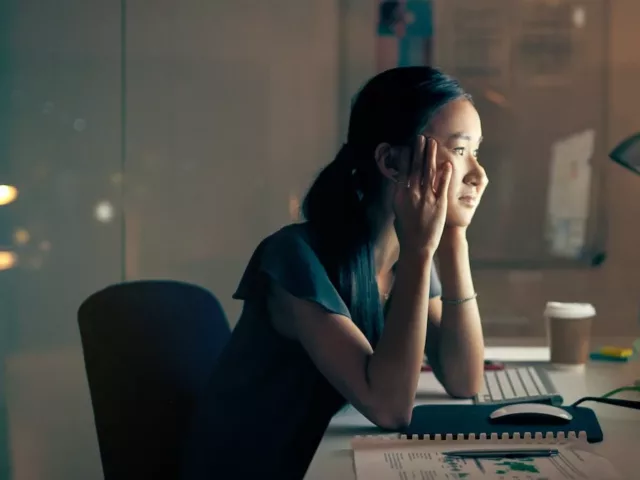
pixel 165 139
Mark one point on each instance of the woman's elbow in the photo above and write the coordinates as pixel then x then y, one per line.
pixel 461 393
pixel 393 424
pixel 461 384
pixel 393 419
pixel 462 390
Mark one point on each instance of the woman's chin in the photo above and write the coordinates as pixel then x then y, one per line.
pixel 459 219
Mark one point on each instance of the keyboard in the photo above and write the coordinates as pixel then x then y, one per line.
pixel 518 384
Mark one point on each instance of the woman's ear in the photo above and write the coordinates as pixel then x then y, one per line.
pixel 387 161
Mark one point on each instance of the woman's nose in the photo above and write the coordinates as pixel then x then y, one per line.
pixel 476 176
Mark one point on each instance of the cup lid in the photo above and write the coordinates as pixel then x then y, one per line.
pixel 569 310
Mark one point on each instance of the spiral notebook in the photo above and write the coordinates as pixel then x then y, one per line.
pixel 395 457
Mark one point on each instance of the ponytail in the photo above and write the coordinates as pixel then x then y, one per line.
pixel 334 194
pixel 336 209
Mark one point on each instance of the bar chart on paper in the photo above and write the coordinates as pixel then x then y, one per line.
pixel 455 468
pixel 427 462
pixel 567 465
pixel 561 466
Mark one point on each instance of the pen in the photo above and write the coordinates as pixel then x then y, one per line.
pixel 524 453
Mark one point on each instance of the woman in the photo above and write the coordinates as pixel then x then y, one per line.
pixel 341 309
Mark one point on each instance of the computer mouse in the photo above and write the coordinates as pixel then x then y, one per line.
pixel 530 414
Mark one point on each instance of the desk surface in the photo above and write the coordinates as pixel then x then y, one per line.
pixel 621 426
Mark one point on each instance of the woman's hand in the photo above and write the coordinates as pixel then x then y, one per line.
pixel 420 201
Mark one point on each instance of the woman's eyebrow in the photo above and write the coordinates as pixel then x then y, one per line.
pixel 462 136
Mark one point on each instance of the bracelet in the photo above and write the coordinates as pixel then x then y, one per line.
pixel 458 301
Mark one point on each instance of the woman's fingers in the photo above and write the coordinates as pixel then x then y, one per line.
pixel 442 189
pixel 430 172
pixel 415 178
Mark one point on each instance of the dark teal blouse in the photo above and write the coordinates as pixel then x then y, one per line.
pixel 267 406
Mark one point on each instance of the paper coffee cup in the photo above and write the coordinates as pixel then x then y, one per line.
pixel 569 327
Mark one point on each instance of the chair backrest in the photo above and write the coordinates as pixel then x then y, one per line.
pixel 149 347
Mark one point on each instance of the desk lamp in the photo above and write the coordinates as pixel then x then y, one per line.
pixel 627 154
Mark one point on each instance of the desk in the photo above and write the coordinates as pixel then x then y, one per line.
pixel 621 426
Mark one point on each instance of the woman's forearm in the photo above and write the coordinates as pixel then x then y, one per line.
pixel 457 341
pixel 394 368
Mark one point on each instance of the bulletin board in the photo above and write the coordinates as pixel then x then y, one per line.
pixel 537 71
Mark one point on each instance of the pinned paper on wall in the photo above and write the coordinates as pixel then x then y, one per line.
pixel 569 194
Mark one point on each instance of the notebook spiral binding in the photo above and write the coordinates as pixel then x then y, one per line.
pixel 527 438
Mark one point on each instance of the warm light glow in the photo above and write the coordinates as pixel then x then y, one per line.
pixel 7 260
pixel 496 97
pixel 294 207
pixel 8 194
pixel 21 236
pixel 579 17
pixel 116 178
pixel 104 212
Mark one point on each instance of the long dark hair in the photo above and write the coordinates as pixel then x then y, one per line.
pixel 393 107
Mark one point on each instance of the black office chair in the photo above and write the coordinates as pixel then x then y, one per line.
pixel 149 347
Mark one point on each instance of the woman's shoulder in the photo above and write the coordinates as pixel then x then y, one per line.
pixel 296 241
pixel 293 232
pixel 288 258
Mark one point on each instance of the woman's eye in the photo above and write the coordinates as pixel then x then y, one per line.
pixel 459 151
pixel 476 153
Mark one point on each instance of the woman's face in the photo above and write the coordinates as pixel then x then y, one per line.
pixel 458 133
